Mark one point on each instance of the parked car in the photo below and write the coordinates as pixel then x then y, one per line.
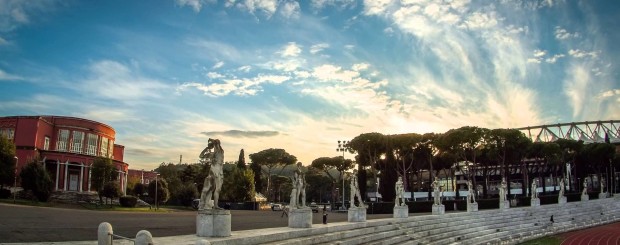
pixel 277 207
pixel 314 207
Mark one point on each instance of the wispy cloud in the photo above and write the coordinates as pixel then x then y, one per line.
pixel 290 10
pixel 318 47
pixel 113 80
pixel 562 34
pixel 292 49
pixel 196 5
pixel 9 77
pixel 241 133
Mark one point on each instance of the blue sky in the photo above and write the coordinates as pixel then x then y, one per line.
pixel 301 75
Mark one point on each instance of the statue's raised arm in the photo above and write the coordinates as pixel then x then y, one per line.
pixel 213 154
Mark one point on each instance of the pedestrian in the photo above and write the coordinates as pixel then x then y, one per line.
pixel 324 214
pixel 284 211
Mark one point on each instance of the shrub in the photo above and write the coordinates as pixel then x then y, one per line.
pixel 186 194
pixel 162 191
pixel 4 193
pixel 36 179
pixel 128 201
pixel 111 190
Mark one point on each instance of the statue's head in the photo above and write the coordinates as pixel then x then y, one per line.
pixel 400 179
pixel 299 164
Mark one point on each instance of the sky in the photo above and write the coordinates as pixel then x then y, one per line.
pixel 301 75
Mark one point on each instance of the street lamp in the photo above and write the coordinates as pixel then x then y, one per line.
pixel 15 177
pixel 342 146
pixel 156 187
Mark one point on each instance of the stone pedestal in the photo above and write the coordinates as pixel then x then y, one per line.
pixel 357 214
pixel 602 195
pixel 504 205
pixel 562 200
pixel 300 218
pixel 439 209
pixel 585 197
pixel 535 202
pixel 472 207
pixel 401 211
pixel 213 223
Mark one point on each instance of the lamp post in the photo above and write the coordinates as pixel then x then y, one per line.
pixel 156 187
pixel 342 146
pixel 15 181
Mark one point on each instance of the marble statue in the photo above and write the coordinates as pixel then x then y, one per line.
pixel 299 181
pixel 602 185
pixel 534 189
pixel 293 202
pixel 502 190
pixel 471 197
pixel 436 191
pixel 585 187
pixel 213 155
pixel 355 191
pixel 400 193
pixel 562 186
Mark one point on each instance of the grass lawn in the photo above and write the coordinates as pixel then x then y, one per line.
pixel 549 240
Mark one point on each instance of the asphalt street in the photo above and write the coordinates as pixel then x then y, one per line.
pixel 45 224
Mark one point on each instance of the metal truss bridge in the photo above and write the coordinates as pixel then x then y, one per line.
pixel 588 132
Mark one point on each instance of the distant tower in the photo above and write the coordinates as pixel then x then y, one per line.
pixel 180 159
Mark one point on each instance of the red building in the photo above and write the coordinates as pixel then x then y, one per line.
pixel 67 147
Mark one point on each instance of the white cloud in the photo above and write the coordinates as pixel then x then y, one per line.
pixel 609 93
pixel 240 87
pixel 267 7
pixel 16 13
pixel 245 68
pixel 290 10
pixel 376 7
pixel 113 80
pixel 7 76
pixel 562 34
pixel 218 65
pixel 320 4
pixel 3 41
pixel 214 75
pixel 577 53
pixel 533 60
pixel 576 88
pixel 360 66
pixel 290 50
pixel 318 48
pixel 554 58
pixel 196 5
pixel 480 20
pixel 539 53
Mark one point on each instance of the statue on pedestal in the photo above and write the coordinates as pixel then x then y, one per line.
pixel 561 194
pixel 585 187
pixel 471 197
pixel 299 189
pixel 212 155
pixel 400 193
pixel 355 191
pixel 502 191
pixel 436 191
pixel 602 185
pixel 534 189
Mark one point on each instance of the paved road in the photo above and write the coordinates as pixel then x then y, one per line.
pixel 44 224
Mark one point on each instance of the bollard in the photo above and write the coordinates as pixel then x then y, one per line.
pixel 104 232
pixel 144 237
